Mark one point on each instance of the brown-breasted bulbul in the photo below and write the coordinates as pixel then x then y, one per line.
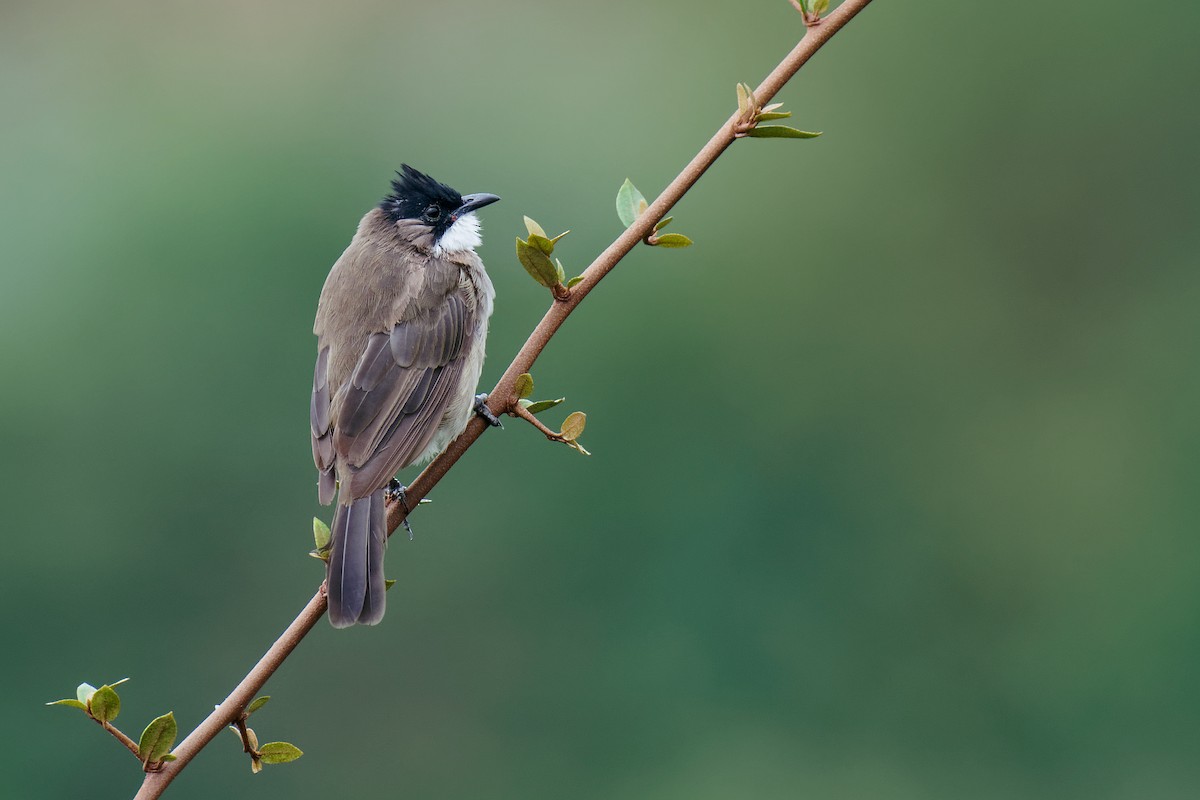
pixel 400 331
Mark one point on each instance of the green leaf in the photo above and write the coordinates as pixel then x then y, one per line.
pixel 533 227
pixel 541 243
pixel 673 240
pixel 258 703
pixel 560 271
pixel 524 385
pixel 767 116
pixel 106 704
pixel 820 7
pixel 538 406
pixel 780 132
pixel 537 264
pixel 388 583
pixel 321 535
pixel 771 107
pixel 629 203
pixel 167 757
pixel 158 738
pixel 70 701
pixel 84 692
pixel 573 425
pixel 572 429
pixel 279 752
pixel 743 96
pixel 577 279
pixel 662 223
pixel 556 238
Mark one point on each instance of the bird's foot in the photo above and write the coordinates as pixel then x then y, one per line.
pixel 481 408
pixel 394 493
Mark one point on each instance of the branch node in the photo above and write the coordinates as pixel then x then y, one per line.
pixel 811 18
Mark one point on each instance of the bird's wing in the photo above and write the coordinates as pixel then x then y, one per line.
pixel 398 392
pixel 322 435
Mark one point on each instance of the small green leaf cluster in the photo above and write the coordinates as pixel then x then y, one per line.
pixel 104 705
pixel 534 254
pixel 572 426
pixel 523 388
pixel 269 753
pixel 813 10
pixel 631 204
pixel 750 114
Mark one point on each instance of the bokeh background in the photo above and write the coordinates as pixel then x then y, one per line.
pixel 894 485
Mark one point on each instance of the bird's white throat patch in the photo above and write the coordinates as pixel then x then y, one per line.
pixel 462 235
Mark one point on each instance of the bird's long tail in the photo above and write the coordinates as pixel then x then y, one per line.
pixel 355 578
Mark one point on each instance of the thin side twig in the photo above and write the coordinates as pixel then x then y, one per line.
pixel 527 415
pixel 130 744
pixel 243 731
pixel 502 397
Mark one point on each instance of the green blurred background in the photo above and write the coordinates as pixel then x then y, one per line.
pixel 894 491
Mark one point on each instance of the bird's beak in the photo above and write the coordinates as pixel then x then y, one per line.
pixel 473 201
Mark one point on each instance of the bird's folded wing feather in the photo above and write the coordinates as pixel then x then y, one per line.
pixel 322 436
pixel 398 392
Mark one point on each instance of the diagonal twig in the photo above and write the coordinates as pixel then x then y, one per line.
pixel 130 744
pixel 502 397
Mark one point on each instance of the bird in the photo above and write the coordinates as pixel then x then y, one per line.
pixel 401 329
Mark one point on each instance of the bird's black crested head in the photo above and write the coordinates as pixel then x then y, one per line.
pixel 415 195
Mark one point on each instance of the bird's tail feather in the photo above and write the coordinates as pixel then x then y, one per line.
pixel 355 578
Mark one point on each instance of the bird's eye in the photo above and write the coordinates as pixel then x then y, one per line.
pixel 433 212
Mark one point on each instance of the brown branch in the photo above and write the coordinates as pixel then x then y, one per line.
pixel 502 396
pixel 233 706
